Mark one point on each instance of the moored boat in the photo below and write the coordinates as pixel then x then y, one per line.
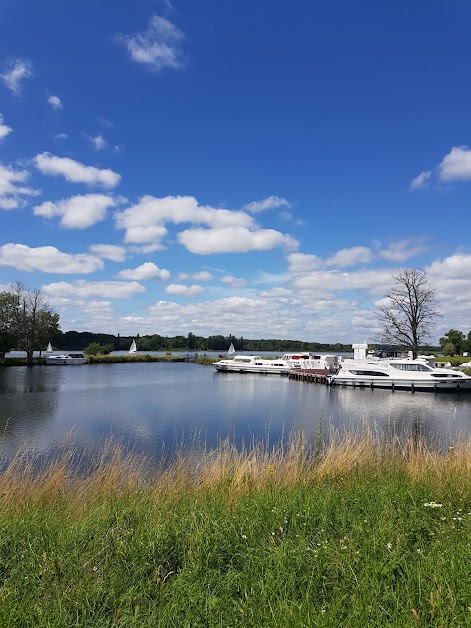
pixel 400 373
pixel 66 358
pixel 313 362
pixel 254 364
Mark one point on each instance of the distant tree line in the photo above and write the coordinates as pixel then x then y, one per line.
pixel 79 340
pixel 407 316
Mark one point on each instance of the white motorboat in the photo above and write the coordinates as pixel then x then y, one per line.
pixel 313 362
pixel 66 358
pixel 400 373
pixel 254 364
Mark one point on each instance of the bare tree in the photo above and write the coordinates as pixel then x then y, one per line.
pixel 409 310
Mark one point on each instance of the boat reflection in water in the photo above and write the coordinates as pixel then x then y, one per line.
pixel 437 420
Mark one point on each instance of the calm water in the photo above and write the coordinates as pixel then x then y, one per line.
pixel 148 405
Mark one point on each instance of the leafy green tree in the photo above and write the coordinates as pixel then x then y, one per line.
pixel 191 341
pixel 7 332
pixel 32 317
pixel 455 338
pixel 408 310
pixel 48 328
pixel 95 348
pixel 448 349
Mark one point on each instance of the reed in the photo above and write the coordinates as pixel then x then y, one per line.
pixel 115 470
pixel 361 531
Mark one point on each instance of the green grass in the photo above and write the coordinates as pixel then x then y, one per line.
pixel 361 534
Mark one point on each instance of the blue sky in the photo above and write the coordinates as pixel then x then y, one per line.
pixel 255 168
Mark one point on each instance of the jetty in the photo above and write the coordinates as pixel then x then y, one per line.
pixel 309 376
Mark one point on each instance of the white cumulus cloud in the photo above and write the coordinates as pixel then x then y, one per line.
pixel 55 102
pixel 144 235
pixel 271 202
pixel 86 289
pixel 202 275
pixel 144 222
pixel 158 47
pixel 4 129
pixel 350 257
pixel 183 290
pixel 233 240
pixel 402 250
pixel 452 274
pixel 456 165
pixel 16 71
pixel 112 252
pixel 77 212
pixel 75 172
pixel 11 188
pixel 47 259
pixel 98 141
pixel 148 270
pixel 420 180
pixel 233 282
pixel 330 281
pixel 451 277
pixel 303 262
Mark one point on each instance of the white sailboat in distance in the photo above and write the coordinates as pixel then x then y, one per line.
pixel 133 348
pixel 49 348
pixel 231 351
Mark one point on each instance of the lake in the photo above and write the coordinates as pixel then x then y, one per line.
pixel 148 406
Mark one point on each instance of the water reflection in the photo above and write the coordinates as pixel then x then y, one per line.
pixel 433 417
pixel 148 406
pixel 29 400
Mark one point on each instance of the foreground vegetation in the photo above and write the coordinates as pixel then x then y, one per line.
pixel 362 533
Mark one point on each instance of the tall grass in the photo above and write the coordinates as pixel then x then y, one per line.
pixel 361 532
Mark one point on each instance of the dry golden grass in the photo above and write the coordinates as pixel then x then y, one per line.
pixel 115 471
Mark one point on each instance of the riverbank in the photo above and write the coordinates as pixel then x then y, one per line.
pixel 116 359
pixel 363 532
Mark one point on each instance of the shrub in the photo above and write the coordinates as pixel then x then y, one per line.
pixel 95 348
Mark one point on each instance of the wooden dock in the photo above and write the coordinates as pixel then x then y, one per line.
pixel 309 376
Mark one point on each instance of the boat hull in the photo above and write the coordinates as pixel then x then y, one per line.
pixel 65 360
pixel 433 385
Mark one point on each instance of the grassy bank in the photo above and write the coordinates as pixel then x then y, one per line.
pixel 362 534
pixel 114 359
pixel 139 357
pixel 21 361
